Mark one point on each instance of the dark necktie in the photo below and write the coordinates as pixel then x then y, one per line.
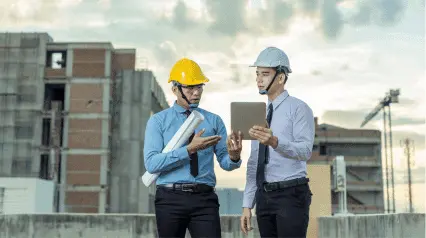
pixel 194 157
pixel 269 119
pixel 263 154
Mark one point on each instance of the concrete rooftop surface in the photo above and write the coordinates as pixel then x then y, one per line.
pixel 66 225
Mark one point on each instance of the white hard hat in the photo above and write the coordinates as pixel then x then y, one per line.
pixel 272 57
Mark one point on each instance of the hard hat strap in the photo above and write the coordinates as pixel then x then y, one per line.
pixel 183 95
pixel 278 70
pixel 272 81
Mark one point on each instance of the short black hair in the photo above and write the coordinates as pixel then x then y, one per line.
pixel 282 69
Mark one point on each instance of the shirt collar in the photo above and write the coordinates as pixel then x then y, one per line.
pixel 178 108
pixel 277 101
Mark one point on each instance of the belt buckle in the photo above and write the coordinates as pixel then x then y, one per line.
pixel 187 187
pixel 265 188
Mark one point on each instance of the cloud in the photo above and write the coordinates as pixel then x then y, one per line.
pixel 403 121
pixel 362 16
pixel 228 16
pixel 149 24
pixel 379 12
pixel 391 11
pixel 354 118
pixel 181 17
pixel 275 18
pixel 166 52
pixel 282 13
pixel 309 6
pixel 20 12
pixel 331 19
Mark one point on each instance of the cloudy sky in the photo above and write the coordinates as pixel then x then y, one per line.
pixel 345 54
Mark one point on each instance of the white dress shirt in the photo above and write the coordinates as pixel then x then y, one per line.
pixel 294 126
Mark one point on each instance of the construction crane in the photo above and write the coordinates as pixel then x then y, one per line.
pixel 391 97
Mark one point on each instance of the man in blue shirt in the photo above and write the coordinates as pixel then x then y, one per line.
pixel 185 196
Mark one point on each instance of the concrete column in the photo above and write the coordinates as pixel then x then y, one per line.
pixel 145 113
pixel 105 143
pixel 118 153
pixel 134 142
pixel 69 60
pixel 108 63
pixel 63 185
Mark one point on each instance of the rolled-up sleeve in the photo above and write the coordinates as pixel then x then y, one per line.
pixel 249 198
pixel 300 148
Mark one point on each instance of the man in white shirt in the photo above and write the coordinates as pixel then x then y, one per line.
pixel 277 180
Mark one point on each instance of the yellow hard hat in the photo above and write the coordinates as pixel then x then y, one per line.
pixel 187 72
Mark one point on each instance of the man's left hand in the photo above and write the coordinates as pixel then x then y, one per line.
pixel 263 135
pixel 234 144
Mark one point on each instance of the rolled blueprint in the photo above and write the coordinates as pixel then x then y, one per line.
pixel 180 138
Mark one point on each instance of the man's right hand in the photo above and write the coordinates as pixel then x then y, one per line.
pixel 201 143
pixel 246 221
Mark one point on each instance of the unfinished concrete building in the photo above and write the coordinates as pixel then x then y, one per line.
pixel 75 113
pixel 362 152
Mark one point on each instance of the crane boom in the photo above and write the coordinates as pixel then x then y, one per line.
pixel 391 97
pixel 373 113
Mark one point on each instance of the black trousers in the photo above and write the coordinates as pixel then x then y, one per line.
pixel 177 211
pixel 284 213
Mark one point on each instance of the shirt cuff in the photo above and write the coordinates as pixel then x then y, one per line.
pixel 282 145
pixel 233 163
pixel 248 202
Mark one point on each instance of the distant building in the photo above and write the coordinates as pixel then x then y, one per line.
pixel 75 113
pixel 231 200
pixel 362 152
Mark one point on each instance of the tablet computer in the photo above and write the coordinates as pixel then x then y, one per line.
pixel 244 115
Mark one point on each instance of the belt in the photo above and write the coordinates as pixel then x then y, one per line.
pixel 188 187
pixel 269 187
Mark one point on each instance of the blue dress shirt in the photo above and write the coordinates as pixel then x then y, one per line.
pixel 174 165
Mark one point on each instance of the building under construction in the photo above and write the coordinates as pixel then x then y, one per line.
pixel 362 152
pixel 75 114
